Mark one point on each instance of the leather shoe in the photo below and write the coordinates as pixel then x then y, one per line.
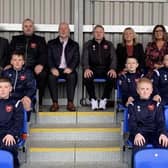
pixel 71 106
pixel 54 107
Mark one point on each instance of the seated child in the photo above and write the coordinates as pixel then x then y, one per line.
pixel 160 82
pixel 146 119
pixel 23 81
pixel 127 81
pixel 11 112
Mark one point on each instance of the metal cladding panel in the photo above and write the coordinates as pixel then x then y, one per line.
pixel 41 11
pixel 125 13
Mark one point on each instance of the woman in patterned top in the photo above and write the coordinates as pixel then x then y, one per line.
pixel 156 49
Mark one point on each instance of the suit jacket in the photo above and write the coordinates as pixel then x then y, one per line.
pixel 72 55
pixel 4 52
pixel 138 53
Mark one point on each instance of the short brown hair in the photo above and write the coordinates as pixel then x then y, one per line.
pixel 5 79
pixel 19 54
pixel 98 26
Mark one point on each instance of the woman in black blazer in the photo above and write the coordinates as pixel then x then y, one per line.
pixel 129 48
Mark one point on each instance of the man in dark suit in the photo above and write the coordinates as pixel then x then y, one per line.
pixel 35 49
pixel 4 52
pixel 63 58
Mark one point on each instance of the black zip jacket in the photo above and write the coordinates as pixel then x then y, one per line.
pixel 160 83
pixel 99 56
pixel 23 82
pixel 34 48
pixel 11 119
pixel 146 116
pixel 127 83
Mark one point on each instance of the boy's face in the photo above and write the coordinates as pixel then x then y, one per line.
pixel 131 65
pixel 165 60
pixel 5 89
pixel 17 62
pixel 144 90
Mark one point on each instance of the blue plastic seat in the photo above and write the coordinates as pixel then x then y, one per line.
pixel 24 131
pixel 166 116
pixel 6 159
pixel 61 80
pixel 120 106
pixel 151 158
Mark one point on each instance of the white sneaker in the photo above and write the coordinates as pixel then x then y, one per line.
pixel 102 104
pixel 94 104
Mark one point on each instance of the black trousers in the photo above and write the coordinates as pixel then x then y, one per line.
pixel 90 86
pixel 41 83
pixel 71 81
pixel 12 149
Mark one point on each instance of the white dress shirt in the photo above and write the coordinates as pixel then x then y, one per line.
pixel 63 64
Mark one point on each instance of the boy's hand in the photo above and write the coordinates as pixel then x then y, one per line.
pixel 26 103
pixel 139 140
pixel 9 140
pixel 157 98
pixel 163 140
pixel 88 73
pixel 130 100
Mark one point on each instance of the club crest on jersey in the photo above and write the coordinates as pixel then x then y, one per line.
pixel 22 77
pixel 129 81
pixel 33 45
pixel 138 108
pixel 165 77
pixel 151 107
pixel 8 108
pixel 105 47
pixel 93 47
pixel 136 80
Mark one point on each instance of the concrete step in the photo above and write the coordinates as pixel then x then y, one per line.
pixel 76 117
pixel 75 133
pixel 68 144
pixel 78 154
pixel 76 165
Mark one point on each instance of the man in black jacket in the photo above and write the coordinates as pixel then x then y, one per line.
pixel 63 58
pixel 99 61
pixel 4 53
pixel 35 50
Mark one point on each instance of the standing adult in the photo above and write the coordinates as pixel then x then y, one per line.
pixel 63 59
pixel 35 50
pixel 99 60
pixel 4 53
pixel 156 49
pixel 129 48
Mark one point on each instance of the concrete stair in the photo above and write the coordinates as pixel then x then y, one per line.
pixel 75 139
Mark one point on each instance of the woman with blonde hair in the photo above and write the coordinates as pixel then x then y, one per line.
pixel 129 48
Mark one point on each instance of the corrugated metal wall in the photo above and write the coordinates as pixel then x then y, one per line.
pixel 125 13
pixel 95 12
pixel 41 11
